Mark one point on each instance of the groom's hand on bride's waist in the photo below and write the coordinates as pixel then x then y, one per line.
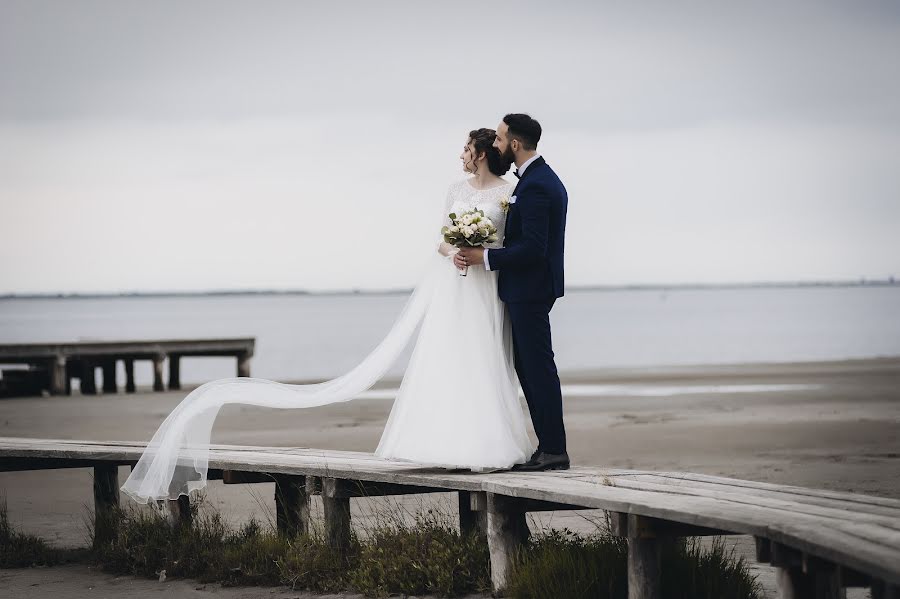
pixel 471 256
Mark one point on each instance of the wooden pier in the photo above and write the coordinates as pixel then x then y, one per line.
pixel 820 542
pixel 54 365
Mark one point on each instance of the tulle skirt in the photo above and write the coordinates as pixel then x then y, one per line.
pixel 458 404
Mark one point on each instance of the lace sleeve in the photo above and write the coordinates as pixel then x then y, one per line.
pixel 444 248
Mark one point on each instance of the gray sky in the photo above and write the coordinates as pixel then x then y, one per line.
pixel 226 145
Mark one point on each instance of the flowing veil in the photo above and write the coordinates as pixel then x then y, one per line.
pixel 175 460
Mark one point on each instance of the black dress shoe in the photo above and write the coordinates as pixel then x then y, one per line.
pixel 533 457
pixel 546 461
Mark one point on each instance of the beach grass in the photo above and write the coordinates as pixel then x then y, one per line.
pixel 19 550
pixel 394 551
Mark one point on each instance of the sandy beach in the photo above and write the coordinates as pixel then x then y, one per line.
pixel 828 425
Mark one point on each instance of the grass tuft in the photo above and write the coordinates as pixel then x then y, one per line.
pixel 19 550
pixel 561 563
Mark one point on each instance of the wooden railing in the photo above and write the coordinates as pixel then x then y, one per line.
pixel 820 542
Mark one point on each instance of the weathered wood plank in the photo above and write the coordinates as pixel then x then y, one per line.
pixel 864 538
pixel 848 501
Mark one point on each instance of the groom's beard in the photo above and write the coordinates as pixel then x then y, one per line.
pixel 508 157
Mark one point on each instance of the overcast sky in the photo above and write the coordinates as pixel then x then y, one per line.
pixel 232 145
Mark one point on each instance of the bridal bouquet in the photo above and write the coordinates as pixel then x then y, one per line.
pixel 471 228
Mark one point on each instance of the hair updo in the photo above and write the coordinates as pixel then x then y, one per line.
pixel 483 141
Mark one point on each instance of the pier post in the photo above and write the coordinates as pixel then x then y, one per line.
pixel 885 590
pixel 129 375
pixel 643 568
pixel 472 512
pixel 243 364
pixel 88 380
pixel 179 511
pixel 174 371
pixel 158 372
pixel 792 581
pixel 645 542
pixel 106 499
pixel 58 376
pixel 507 530
pixel 109 376
pixel 291 505
pixel 336 501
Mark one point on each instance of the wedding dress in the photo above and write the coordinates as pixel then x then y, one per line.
pixel 457 405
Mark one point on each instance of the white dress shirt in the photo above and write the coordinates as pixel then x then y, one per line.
pixel 521 171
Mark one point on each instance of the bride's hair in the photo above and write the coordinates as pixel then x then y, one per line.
pixel 483 141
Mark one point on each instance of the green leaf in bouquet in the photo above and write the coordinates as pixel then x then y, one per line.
pixel 452 216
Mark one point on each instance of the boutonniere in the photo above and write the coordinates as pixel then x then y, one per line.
pixel 506 202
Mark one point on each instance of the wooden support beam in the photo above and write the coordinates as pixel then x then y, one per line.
pixel 109 376
pixel 58 377
pixel 243 364
pixel 885 590
pixel 291 505
pixel 158 372
pixel 507 531
pixel 646 537
pixel 763 549
pixel 337 514
pixel 239 477
pixel 129 376
pixel 106 500
pixel 88 380
pixel 644 562
pixel 647 527
pixel 22 464
pixel 472 514
pixel 363 488
pixel 179 511
pixel 174 371
pixel 793 583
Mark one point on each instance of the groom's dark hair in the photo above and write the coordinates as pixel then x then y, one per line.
pixel 525 129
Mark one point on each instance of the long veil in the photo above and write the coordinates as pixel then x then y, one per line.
pixel 175 460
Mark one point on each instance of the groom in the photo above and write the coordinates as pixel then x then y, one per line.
pixel 530 278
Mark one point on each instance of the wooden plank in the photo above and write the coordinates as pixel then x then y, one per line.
pixel 749 484
pixel 867 543
pixel 847 501
pixel 783 504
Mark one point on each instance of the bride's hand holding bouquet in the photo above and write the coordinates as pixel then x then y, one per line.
pixel 469 229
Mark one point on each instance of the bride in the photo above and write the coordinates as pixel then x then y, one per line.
pixel 444 415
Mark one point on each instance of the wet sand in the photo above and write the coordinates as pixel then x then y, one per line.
pixel 828 425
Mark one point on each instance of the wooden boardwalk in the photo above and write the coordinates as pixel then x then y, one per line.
pixel 820 541
pixel 53 365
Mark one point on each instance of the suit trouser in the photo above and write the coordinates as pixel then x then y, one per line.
pixel 533 353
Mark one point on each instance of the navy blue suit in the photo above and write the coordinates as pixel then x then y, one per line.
pixel 530 278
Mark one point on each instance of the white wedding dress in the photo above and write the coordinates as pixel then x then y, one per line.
pixel 457 406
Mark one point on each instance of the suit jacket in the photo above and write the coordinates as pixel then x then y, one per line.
pixel 530 263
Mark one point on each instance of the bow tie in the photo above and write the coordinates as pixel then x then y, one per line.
pixel 516 173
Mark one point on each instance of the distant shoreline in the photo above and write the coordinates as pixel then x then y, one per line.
pixel 889 282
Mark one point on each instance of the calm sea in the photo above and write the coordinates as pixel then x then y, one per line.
pixel 315 336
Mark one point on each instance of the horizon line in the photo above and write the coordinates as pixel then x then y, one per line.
pixel 861 282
